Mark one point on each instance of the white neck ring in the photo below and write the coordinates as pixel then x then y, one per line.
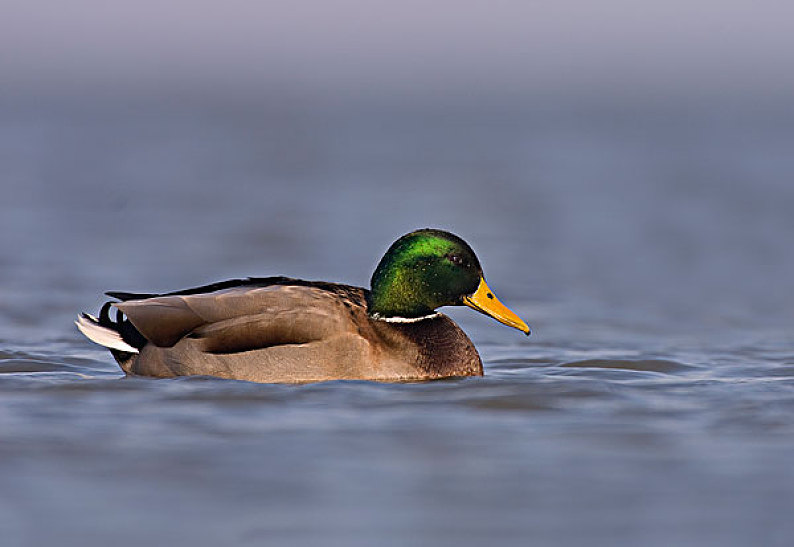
pixel 396 319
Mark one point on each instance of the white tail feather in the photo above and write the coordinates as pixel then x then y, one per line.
pixel 89 325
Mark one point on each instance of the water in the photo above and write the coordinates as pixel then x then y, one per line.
pixel 650 249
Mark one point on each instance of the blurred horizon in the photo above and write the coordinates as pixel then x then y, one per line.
pixel 357 51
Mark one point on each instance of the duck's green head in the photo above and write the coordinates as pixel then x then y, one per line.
pixel 427 269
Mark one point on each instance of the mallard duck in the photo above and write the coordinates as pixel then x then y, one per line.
pixel 283 330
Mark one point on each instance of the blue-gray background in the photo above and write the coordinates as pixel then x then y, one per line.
pixel 625 172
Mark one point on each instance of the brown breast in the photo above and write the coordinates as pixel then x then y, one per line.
pixel 437 347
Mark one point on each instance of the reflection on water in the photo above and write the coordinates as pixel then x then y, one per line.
pixel 651 252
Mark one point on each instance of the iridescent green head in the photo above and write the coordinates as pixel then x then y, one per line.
pixel 427 269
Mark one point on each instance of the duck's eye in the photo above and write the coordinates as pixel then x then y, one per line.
pixel 456 259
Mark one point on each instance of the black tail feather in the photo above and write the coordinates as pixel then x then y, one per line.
pixel 122 326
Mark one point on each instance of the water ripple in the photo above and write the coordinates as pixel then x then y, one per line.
pixel 642 365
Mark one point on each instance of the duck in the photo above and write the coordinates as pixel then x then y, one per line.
pixel 286 330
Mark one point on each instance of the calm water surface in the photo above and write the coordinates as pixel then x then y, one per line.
pixel 651 252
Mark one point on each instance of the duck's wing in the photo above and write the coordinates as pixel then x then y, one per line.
pixel 245 317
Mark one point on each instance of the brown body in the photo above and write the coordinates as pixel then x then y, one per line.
pixel 286 330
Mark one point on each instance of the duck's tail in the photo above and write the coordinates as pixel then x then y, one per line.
pixel 119 336
pixel 104 336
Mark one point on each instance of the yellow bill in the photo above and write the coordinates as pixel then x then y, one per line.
pixel 484 301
